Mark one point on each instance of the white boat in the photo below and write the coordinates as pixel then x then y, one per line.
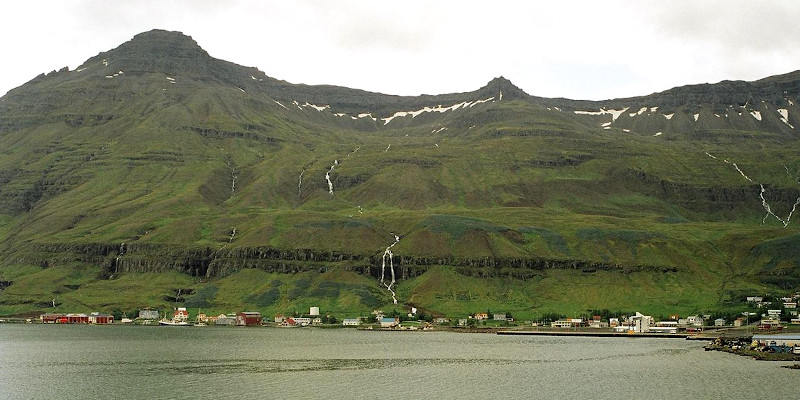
pixel 179 318
pixel 172 322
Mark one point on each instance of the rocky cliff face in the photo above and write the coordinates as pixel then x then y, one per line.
pixel 210 263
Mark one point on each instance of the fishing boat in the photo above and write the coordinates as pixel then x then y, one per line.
pixel 172 322
pixel 179 318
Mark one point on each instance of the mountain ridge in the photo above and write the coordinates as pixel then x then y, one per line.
pixel 156 158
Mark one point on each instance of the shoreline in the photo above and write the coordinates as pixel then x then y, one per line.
pixel 599 334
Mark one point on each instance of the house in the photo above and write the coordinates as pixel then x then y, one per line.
pixel 97 318
pixel 674 317
pixel 351 322
pixel 316 321
pixel 441 320
pixel 613 322
pixel 313 311
pixel 719 322
pixel 738 322
pixel 49 318
pixel 770 324
pixel 248 318
pixel 754 299
pixel 694 320
pixel 147 313
pixel 223 319
pixel 201 317
pixel 499 317
pixel 463 321
pixel 795 321
pixel 279 319
pixel 481 316
pixel 387 322
pixel 789 305
pixel 180 315
pixel 774 314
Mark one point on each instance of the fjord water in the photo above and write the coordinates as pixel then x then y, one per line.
pixel 61 361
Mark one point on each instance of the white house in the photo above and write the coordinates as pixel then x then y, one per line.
pixel 351 322
pixel 694 320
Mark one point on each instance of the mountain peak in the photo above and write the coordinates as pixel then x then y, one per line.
pixel 501 84
pixel 159 51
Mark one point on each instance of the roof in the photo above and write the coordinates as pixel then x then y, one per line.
pixel 781 337
pixel 387 319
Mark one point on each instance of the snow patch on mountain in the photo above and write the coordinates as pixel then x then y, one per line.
pixel 785 117
pixel 439 108
pixel 316 107
pixel 614 113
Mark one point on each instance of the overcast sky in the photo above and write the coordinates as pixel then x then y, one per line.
pixel 589 50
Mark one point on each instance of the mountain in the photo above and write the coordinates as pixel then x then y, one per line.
pixel 155 174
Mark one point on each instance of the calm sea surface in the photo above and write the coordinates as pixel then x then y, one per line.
pixel 103 362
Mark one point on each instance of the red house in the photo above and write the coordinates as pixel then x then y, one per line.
pixel 53 318
pixel 247 318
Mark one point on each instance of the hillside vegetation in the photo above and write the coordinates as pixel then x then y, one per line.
pixel 155 175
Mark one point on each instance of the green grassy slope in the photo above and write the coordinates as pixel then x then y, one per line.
pixel 188 181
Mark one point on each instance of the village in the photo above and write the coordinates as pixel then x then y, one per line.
pixel 772 315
